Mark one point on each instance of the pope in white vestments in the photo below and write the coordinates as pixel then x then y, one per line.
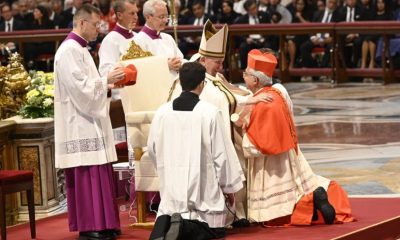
pixel 219 93
pixel 195 159
pixel 83 136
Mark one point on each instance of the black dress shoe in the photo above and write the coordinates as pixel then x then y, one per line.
pixel 241 223
pixel 315 214
pixel 112 232
pixel 94 236
pixel 175 227
pixel 161 227
pixel 322 204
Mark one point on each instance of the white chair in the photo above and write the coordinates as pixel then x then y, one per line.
pixel 140 102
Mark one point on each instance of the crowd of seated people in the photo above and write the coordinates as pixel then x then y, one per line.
pixel 360 50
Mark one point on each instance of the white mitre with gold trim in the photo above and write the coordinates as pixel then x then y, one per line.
pixel 213 42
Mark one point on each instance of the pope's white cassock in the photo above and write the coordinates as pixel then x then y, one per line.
pixel 200 167
pixel 216 93
pixel 159 44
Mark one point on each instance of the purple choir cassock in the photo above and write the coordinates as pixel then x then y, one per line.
pixel 91 198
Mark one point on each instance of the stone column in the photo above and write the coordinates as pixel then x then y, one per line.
pixel 33 145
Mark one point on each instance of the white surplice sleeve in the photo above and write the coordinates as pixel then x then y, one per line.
pixel 249 149
pixel 108 55
pixel 227 165
pixel 285 94
pixel 86 89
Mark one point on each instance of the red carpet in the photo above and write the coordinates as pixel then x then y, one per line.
pixel 368 211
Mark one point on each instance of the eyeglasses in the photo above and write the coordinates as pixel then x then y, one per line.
pixel 163 18
pixel 96 25
pixel 246 74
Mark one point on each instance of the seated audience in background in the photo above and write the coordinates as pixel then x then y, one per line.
pixel 212 7
pixel 351 12
pixel 319 8
pixel 15 9
pixel 228 15
pixel 55 12
pixel 24 15
pixel 253 17
pixel 185 7
pixel 276 6
pixel 238 6
pixel 368 49
pixel 272 41
pixel 69 13
pixel 367 9
pixel 394 50
pixel 199 18
pixel 35 49
pixel 301 14
pixel 263 5
pixel 9 24
pixel 322 40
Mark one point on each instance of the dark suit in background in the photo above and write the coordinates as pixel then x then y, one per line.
pixel 306 48
pixel 352 48
pixel 248 43
pixel 188 44
pixel 67 16
pixel 17 25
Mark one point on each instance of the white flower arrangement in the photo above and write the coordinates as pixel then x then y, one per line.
pixel 40 97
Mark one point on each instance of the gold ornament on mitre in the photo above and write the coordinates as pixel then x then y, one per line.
pixel 135 51
pixel 213 41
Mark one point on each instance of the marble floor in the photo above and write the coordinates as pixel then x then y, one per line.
pixel 351 133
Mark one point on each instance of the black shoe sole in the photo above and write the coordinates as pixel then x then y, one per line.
pixel 175 227
pixel 322 204
pixel 111 232
pixel 94 236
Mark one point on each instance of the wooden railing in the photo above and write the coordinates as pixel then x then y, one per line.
pixel 338 71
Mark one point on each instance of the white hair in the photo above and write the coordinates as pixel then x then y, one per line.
pixel 264 79
pixel 176 3
pixel 148 7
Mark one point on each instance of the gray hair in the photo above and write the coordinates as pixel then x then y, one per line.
pixel 119 5
pixel 148 7
pixel 264 79
pixel 177 4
